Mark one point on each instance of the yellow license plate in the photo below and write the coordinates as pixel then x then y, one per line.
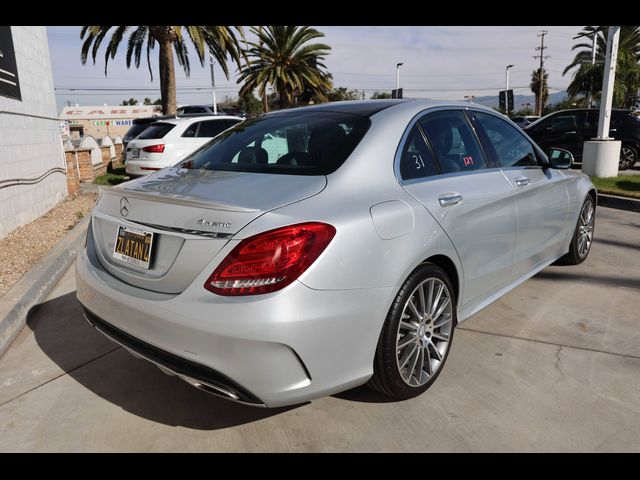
pixel 133 246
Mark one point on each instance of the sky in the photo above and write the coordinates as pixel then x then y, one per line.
pixel 439 62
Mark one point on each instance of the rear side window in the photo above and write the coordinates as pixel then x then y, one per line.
pixel 417 160
pixel 191 130
pixel 294 143
pixel 211 128
pixel 156 130
pixel 453 141
pixel 507 146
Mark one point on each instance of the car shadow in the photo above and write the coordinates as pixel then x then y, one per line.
pixel 364 394
pixel 135 385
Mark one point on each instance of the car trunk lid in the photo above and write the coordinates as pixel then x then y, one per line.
pixel 192 215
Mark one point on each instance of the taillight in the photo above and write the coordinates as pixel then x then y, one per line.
pixel 154 148
pixel 270 261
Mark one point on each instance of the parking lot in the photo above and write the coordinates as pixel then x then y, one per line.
pixel 553 366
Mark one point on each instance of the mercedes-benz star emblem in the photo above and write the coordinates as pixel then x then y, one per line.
pixel 124 206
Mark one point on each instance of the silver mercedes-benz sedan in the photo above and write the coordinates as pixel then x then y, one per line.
pixel 312 250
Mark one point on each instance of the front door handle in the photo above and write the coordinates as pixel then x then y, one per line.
pixel 522 181
pixel 572 132
pixel 449 199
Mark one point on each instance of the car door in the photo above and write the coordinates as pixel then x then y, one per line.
pixel 541 195
pixel 560 130
pixel 443 166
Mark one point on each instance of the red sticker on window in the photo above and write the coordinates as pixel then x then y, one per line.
pixel 468 160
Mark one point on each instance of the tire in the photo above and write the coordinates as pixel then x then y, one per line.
pixel 392 378
pixel 585 228
pixel 628 157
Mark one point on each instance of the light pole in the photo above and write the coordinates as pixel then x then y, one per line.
pixel 213 85
pixel 398 65
pixel 506 80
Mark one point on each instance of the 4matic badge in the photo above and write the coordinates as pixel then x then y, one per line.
pixel 210 223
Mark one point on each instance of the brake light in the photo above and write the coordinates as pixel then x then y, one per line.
pixel 154 148
pixel 270 261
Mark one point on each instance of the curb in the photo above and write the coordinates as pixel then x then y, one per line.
pixel 36 284
pixel 621 203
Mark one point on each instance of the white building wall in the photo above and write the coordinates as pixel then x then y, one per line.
pixel 29 145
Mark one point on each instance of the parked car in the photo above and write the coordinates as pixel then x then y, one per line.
pixel 523 121
pixel 137 127
pixel 312 250
pixel 201 109
pixel 569 129
pixel 238 112
pixel 164 143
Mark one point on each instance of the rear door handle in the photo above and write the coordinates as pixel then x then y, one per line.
pixel 572 132
pixel 522 181
pixel 449 199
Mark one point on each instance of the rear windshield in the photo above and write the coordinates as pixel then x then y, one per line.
pixel 156 130
pixel 134 131
pixel 294 143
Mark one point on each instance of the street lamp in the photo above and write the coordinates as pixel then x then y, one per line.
pixel 506 81
pixel 398 65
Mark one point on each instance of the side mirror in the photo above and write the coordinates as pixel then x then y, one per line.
pixel 560 158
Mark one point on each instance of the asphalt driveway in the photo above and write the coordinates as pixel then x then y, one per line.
pixel 553 366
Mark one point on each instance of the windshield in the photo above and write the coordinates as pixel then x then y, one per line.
pixel 295 143
pixel 133 132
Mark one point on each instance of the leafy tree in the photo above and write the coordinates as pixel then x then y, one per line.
pixel 627 81
pixel 378 94
pixel 250 104
pixel 283 58
pixel 131 101
pixel 147 101
pixel 221 42
pixel 535 87
pixel 340 94
pixel 158 102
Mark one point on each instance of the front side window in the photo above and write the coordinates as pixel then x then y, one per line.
pixel 417 160
pixel 156 130
pixel 507 146
pixel 453 141
pixel 297 143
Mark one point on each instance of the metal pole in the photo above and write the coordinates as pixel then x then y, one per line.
pixel 398 65
pixel 213 85
pixel 607 84
pixel 541 75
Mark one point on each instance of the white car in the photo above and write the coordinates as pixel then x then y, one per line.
pixel 164 143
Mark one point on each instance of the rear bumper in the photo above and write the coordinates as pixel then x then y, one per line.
pixel 143 167
pixel 276 349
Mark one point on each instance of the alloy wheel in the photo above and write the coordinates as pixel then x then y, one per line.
pixel 627 157
pixel 585 229
pixel 424 332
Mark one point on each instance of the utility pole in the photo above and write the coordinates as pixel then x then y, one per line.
pixel 363 95
pixel 542 58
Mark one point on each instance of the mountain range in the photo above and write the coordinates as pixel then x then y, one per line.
pixel 519 100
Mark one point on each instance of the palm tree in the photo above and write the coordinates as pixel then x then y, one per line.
pixel 284 58
pixel 627 81
pixel 219 41
pixel 535 88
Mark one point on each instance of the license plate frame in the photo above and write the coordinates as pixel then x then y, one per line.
pixel 135 153
pixel 131 246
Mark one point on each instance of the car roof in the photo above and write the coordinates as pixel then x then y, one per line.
pixel 368 108
pixel 198 117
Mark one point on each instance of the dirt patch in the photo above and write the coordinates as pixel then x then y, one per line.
pixel 27 245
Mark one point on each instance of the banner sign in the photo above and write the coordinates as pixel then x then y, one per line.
pixel 9 81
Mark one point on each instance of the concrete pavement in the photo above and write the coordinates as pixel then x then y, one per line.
pixel 552 366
